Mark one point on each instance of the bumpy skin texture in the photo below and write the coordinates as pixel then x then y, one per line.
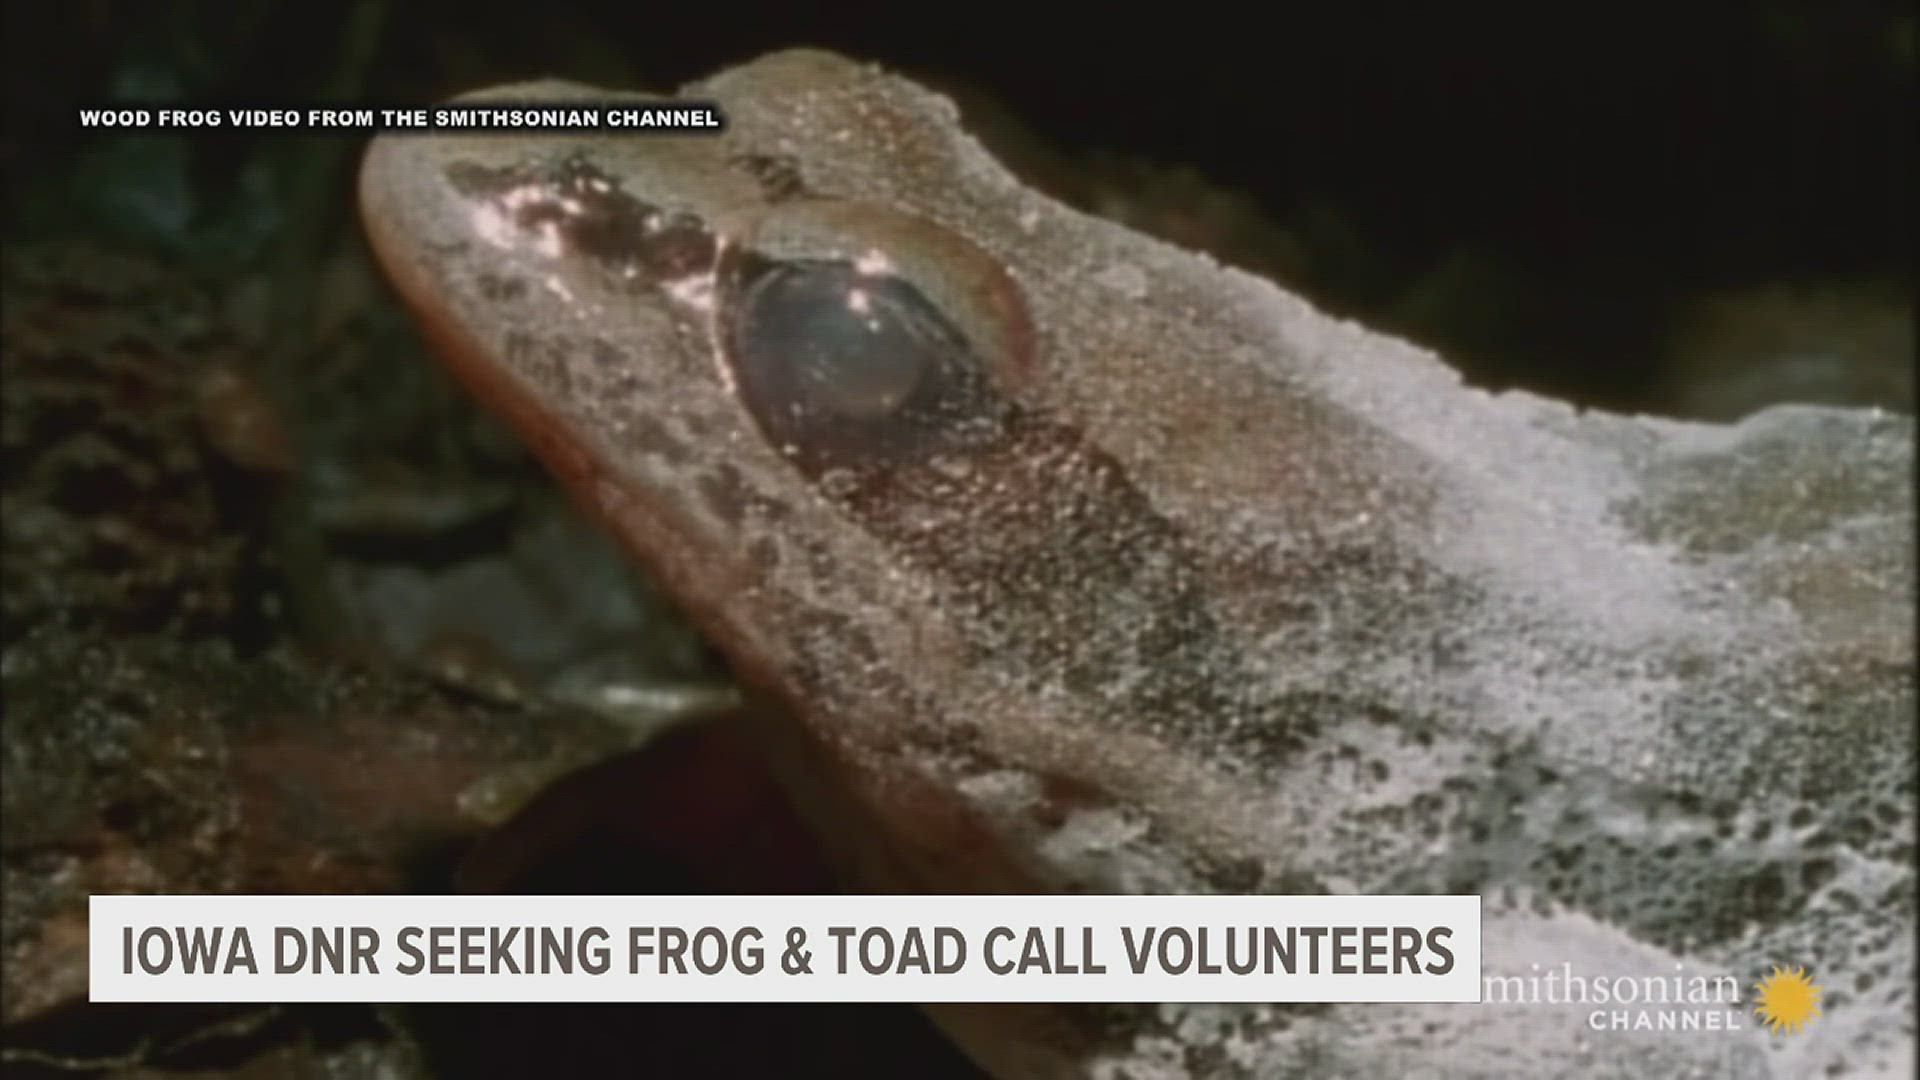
pixel 1176 584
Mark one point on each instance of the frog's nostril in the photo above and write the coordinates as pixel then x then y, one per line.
pixel 567 206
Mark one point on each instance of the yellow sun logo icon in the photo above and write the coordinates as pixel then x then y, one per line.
pixel 1788 999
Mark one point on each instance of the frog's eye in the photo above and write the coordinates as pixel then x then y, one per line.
pixel 857 334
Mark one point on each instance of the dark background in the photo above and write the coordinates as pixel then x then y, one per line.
pixel 1537 191
pixel 1663 209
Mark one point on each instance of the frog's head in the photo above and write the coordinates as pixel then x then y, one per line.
pixel 953 474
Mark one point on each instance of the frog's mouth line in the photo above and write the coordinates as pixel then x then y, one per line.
pixel 651 538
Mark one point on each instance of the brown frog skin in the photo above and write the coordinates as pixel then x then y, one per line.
pixel 1064 560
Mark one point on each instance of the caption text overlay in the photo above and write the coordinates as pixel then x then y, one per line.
pixel 785 948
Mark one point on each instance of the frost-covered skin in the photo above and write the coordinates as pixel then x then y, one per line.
pixel 1069 560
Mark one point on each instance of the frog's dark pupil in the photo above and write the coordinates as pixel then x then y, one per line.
pixel 834 360
pixel 854 346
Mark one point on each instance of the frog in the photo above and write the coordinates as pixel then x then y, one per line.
pixel 1058 559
